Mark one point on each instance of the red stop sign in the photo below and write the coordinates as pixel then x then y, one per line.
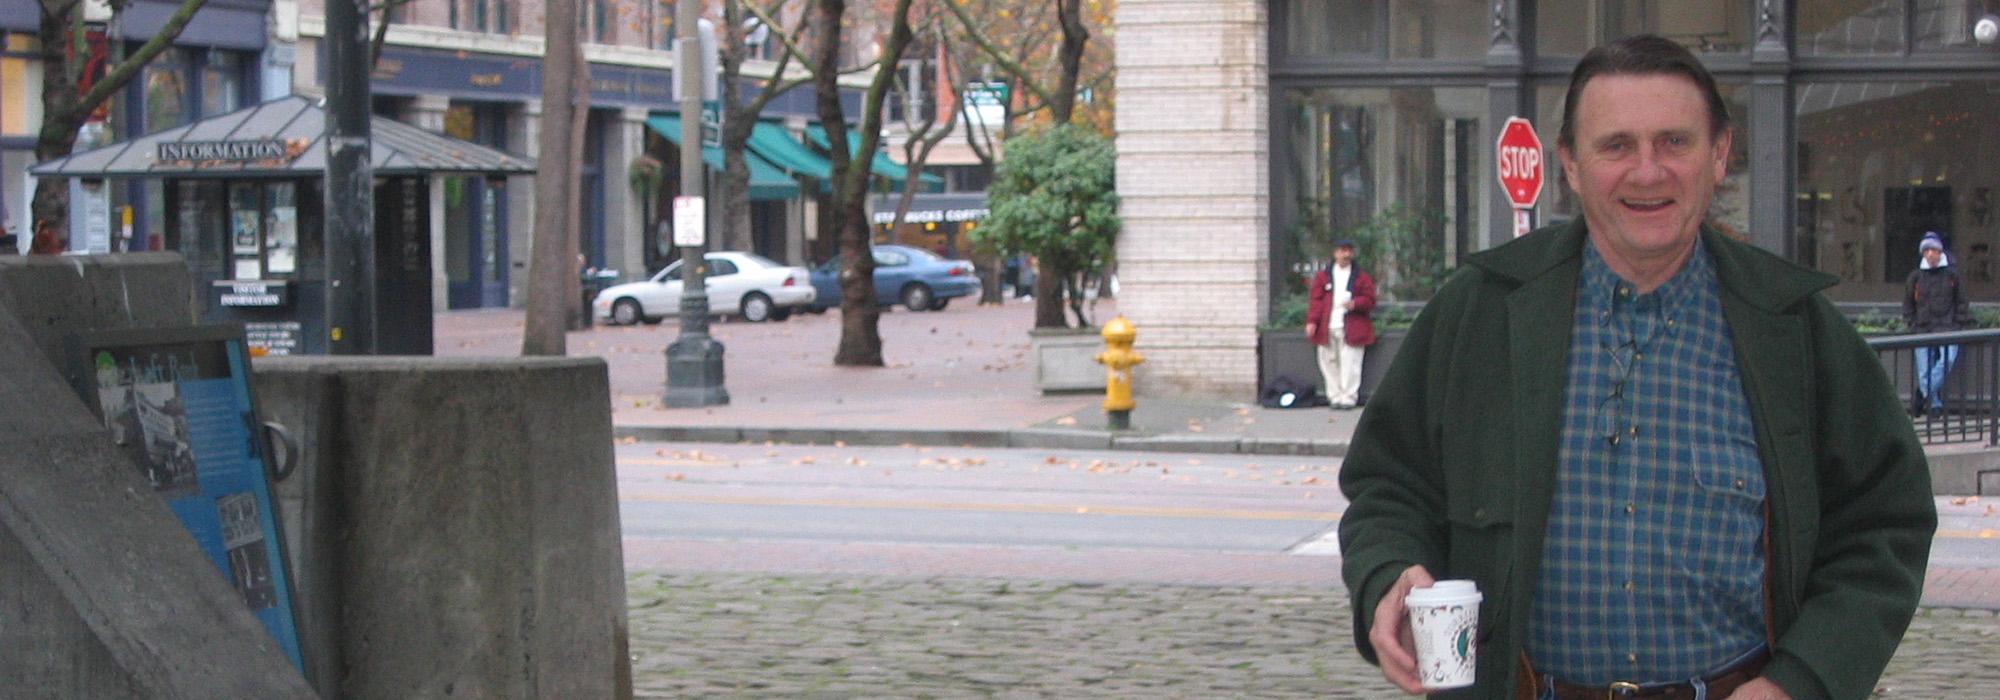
pixel 1519 155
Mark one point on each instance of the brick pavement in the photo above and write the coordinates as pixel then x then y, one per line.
pixel 761 635
pixel 967 368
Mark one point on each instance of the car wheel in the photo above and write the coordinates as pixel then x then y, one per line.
pixel 756 307
pixel 917 297
pixel 626 312
pixel 940 304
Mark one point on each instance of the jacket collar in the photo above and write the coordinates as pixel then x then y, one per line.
pixel 1760 278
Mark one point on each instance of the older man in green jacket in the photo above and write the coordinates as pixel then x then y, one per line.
pixel 1670 464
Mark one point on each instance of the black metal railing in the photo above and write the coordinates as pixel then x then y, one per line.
pixel 1969 397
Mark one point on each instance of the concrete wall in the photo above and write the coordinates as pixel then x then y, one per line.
pixel 102 593
pixel 1193 174
pixel 455 524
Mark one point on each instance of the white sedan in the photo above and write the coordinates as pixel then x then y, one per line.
pixel 741 284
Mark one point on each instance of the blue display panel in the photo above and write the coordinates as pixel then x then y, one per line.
pixel 177 401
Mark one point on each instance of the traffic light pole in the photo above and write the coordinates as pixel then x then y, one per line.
pixel 694 361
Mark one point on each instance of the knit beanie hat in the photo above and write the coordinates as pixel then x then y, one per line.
pixel 1931 240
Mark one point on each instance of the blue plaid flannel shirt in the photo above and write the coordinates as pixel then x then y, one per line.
pixel 1653 564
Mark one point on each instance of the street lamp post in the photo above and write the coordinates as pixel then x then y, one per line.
pixel 694 361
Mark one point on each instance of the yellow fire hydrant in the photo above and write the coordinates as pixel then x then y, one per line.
pixel 1118 360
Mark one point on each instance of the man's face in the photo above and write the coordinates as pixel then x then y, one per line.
pixel 1343 255
pixel 1643 163
pixel 1931 255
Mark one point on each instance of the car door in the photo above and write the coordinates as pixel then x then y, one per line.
pixel 725 285
pixel 892 271
pixel 663 296
pixel 826 284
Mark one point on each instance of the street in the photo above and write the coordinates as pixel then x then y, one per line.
pixel 832 571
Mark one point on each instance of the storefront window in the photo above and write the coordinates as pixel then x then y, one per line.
pixel 1880 163
pixel 1947 24
pixel 221 83
pixel 1366 158
pixel 1730 210
pixel 1323 28
pixel 1571 27
pixel 167 93
pixel 1439 29
pixel 1845 27
pixel 20 85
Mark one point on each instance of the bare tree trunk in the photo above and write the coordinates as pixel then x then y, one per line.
pixel 573 171
pixel 554 256
pixel 860 334
pixel 1049 295
pixel 736 126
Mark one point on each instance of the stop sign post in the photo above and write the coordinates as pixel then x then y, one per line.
pixel 1519 155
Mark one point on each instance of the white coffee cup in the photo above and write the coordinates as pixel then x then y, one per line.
pixel 1444 619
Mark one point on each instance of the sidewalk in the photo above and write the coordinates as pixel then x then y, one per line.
pixel 962 376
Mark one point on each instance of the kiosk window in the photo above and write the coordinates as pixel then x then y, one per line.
pixel 263 230
pixel 281 229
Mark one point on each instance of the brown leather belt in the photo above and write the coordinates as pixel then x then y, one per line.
pixel 1718 684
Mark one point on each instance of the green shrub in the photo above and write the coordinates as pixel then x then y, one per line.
pixel 1289 314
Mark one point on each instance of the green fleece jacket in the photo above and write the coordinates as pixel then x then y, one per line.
pixel 1453 465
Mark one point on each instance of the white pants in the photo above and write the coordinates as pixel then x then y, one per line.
pixel 1340 366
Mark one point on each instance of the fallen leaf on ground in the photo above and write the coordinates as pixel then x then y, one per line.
pixel 1066 420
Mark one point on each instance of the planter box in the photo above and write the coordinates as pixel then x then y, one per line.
pixel 1065 359
pixel 1287 352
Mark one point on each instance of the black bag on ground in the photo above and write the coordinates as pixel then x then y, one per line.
pixel 1286 391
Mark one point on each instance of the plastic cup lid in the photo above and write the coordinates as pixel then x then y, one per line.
pixel 1451 592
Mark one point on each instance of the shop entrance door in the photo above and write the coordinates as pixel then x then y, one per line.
pixel 476 242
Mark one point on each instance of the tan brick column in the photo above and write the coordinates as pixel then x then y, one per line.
pixel 1193 173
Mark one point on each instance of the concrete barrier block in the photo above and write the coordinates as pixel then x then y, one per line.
pixel 474 547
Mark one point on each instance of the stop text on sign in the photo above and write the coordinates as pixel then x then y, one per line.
pixel 1518 153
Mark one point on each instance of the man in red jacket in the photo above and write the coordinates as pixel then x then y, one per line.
pixel 1342 297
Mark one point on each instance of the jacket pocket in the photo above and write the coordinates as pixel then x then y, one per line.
pixel 1480 548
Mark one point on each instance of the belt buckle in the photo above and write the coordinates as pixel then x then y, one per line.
pixel 1621 689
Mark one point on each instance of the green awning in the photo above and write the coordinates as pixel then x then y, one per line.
pixel 883 167
pixel 767 181
pixel 778 145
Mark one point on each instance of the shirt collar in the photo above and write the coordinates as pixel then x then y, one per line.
pixel 1600 287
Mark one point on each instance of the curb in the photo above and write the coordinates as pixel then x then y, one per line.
pixel 1028 438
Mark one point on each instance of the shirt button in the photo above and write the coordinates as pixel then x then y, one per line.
pixel 1628 585
pixel 1638 356
pixel 1630 509
pixel 1634 658
pixel 1739 484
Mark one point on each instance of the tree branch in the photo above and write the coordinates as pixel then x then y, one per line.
pixel 790 42
pixel 1006 63
pixel 117 77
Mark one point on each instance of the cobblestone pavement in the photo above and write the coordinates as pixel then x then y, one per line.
pixel 762 635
